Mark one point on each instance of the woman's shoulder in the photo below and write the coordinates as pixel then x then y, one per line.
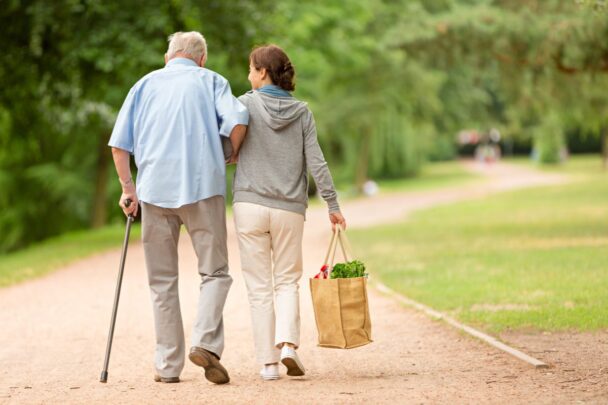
pixel 245 98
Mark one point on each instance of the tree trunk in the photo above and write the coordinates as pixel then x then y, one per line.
pixel 100 212
pixel 604 138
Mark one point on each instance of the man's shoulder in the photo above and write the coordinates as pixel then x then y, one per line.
pixel 214 76
pixel 158 73
pixel 150 76
pixel 211 73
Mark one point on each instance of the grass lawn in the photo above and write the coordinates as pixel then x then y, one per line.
pixel 433 175
pixel 532 259
pixel 54 253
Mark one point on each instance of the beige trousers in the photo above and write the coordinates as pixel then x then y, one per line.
pixel 205 221
pixel 270 242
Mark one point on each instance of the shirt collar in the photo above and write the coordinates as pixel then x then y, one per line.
pixel 181 61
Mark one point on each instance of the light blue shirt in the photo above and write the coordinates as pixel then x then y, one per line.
pixel 171 121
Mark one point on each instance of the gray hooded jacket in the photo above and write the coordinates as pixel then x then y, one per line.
pixel 280 148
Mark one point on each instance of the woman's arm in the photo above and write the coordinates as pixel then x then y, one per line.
pixel 237 136
pixel 316 164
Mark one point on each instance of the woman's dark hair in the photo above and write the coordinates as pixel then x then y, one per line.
pixel 277 64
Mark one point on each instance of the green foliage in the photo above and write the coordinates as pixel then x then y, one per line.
pixel 350 269
pixel 529 68
pixel 549 141
pixel 66 68
pixel 390 83
pixel 597 5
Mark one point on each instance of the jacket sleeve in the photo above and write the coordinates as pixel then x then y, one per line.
pixel 317 166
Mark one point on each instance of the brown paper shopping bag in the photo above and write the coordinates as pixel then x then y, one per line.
pixel 341 305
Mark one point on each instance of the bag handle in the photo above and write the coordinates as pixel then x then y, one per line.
pixel 340 238
pixel 331 250
pixel 347 250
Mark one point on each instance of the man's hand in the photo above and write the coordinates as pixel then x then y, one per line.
pixel 336 218
pixel 123 169
pixel 128 193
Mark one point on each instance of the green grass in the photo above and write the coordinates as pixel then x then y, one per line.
pixel 432 176
pixel 532 259
pixel 41 258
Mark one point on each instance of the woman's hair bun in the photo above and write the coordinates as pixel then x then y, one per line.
pixel 277 64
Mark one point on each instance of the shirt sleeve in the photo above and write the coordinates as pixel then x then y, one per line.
pixel 230 111
pixel 122 134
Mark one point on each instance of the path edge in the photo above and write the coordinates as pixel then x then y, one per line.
pixel 492 341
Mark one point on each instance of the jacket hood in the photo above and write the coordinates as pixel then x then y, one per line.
pixel 277 112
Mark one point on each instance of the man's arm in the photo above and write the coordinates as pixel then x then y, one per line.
pixel 122 143
pixel 232 115
pixel 123 168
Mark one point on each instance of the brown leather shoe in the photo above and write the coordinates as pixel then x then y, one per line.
pixel 214 371
pixel 168 380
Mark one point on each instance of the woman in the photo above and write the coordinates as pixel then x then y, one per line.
pixel 270 201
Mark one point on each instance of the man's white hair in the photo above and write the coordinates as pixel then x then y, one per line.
pixel 191 43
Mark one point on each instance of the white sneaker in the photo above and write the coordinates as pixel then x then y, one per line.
pixel 270 372
pixel 290 359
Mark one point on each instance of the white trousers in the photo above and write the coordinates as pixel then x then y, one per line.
pixel 270 242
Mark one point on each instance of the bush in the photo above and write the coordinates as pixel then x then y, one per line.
pixel 549 142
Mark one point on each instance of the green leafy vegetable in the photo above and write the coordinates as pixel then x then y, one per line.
pixel 348 270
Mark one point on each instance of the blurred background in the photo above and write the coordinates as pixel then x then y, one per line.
pixel 394 85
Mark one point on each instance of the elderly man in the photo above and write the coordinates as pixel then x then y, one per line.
pixel 171 121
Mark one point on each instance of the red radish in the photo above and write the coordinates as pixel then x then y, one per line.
pixel 323 272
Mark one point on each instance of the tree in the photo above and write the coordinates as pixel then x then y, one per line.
pixel 534 57
pixel 66 68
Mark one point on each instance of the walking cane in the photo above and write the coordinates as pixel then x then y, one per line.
pixel 130 219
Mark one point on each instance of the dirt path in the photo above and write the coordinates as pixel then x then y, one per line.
pixel 54 329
